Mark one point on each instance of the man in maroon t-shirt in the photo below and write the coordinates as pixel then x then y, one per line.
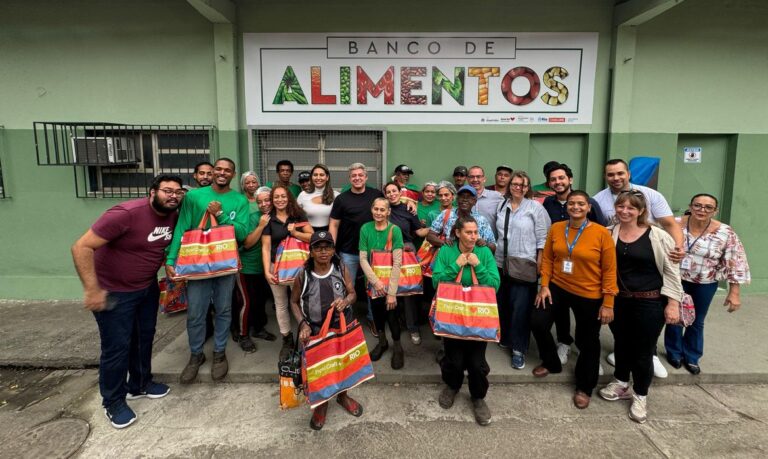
pixel 117 260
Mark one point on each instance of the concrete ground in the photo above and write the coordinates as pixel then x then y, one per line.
pixel 707 416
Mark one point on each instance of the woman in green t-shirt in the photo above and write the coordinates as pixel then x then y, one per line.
pixel 373 236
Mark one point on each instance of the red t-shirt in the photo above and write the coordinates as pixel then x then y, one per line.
pixel 137 240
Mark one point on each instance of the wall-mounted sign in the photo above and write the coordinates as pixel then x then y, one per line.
pixel 419 78
pixel 692 155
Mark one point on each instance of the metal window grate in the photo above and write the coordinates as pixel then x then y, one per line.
pixel 335 149
pixel 119 161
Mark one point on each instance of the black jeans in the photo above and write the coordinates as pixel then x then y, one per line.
pixel 127 331
pixel 515 300
pixel 466 355
pixel 636 326
pixel 585 311
pixel 381 317
pixel 248 303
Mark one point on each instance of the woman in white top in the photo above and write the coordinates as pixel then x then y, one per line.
pixel 318 201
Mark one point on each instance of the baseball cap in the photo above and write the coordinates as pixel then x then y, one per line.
pixel 460 170
pixel 303 176
pixel 468 188
pixel 321 236
pixel 403 169
pixel 504 167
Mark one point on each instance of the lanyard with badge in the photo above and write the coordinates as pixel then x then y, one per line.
pixel 686 263
pixel 568 263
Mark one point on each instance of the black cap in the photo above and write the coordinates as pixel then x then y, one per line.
pixel 320 236
pixel 504 167
pixel 460 170
pixel 403 169
pixel 303 176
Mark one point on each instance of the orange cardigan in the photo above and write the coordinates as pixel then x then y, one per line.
pixel 594 262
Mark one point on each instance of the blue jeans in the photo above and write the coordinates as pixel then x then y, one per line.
pixel 515 300
pixel 352 262
pixel 688 344
pixel 200 293
pixel 127 330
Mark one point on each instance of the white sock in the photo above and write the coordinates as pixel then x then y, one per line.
pixel 640 397
pixel 623 384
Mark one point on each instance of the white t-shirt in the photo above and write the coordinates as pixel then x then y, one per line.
pixel 317 214
pixel 657 204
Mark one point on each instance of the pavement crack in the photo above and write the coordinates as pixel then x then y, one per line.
pixel 738 413
pixel 653 444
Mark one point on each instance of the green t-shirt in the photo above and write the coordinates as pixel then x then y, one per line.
pixel 250 259
pixel 371 239
pixel 541 187
pixel 424 212
pixel 446 269
pixel 293 188
pixel 235 212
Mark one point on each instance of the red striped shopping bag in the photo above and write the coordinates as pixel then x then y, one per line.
pixel 207 253
pixel 410 281
pixel 290 257
pixel 427 253
pixel 335 360
pixel 469 313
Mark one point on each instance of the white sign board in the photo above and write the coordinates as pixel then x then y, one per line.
pixel 419 78
pixel 692 155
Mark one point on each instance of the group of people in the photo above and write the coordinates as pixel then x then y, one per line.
pixel 619 258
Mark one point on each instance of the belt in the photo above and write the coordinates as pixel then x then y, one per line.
pixel 650 295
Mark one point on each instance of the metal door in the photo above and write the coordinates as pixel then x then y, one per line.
pixel 563 148
pixel 706 176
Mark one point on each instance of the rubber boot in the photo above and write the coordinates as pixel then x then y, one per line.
pixel 380 348
pixel 287 346
pixel 398 359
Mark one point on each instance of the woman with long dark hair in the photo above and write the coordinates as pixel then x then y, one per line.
pixel 317 202
pixel 286 219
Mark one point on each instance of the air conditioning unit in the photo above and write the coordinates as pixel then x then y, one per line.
pixel 103 151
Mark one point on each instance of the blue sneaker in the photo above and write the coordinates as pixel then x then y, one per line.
pixel 153 390
pixel 120 415
pixel 518 360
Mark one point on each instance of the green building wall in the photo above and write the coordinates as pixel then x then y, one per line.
pixel 694 70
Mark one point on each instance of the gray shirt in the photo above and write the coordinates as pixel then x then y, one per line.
pixel 526 232
pixel 487 205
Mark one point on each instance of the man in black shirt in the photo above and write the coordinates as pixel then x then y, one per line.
pixel 560 180
pixel 351 209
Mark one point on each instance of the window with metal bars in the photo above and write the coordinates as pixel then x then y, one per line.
pixel 335 149
pixel 120 161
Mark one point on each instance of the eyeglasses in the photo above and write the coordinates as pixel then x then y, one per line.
pixel 322 248
pixel 518 185
pixel 475 176
pixel 706 208
pixel 637 193
pixel 179 192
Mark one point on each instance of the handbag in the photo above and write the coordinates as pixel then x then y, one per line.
pixel 207 253
pixel 173 296
pixel 410 281
pixel 517 268
pixel 291 378
pixel 427 253
pixel 687 311
pixel 466 313
pixel 335 360
pixel 290 257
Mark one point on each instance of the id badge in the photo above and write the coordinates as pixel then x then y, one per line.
pixel 567 267
pixel 686 263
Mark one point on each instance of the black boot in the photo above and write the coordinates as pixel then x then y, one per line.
pixel 380 348
pixel 398 359
pixel 287 346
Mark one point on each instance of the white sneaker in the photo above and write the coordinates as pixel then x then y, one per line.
pixel 611 359
pixel 600 369
pixel 658 368
pixel 563 350
pixel 616 390
pixel 638 412
pixel 416 338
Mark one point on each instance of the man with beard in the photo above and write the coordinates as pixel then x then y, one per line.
pixel 487 201
pixel 117 260
pixel 560 180
pixel 230 208
pixel 202 175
